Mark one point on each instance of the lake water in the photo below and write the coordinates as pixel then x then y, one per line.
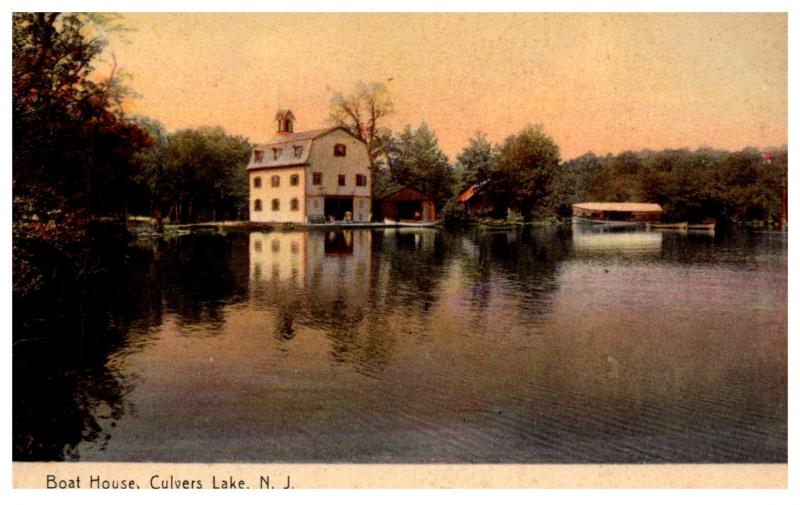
pixel 551 345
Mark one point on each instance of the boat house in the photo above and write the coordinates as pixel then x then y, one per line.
pixel 402 203
pixel 617 212
pixel 311 176
pixel 476 201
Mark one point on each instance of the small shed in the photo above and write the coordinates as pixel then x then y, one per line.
pixel 476 201
pixel 404 203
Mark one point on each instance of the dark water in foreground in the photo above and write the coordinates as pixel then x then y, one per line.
pixel 538 346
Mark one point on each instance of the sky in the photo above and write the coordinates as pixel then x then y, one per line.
pixel 596 82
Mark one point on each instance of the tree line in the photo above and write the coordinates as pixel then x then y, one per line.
pixel 740 187
pixel 77 155
pixel 525 174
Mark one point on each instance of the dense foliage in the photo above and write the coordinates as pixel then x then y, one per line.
pixel 70 141
pixel 474 163
pixel 523 171
pixel 524 174
pixel 517 175
pixel 74 155
pixel 415 160
pixel 193 174
pixel 738 187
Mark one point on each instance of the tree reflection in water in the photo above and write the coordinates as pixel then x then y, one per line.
pixel 94 309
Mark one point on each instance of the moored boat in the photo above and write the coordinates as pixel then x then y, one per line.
pixel 410 223
pixel 668 226
pixel 702 226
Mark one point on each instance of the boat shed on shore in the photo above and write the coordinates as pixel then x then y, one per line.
pixel 618 211
pixel 404 203
pixel 475 201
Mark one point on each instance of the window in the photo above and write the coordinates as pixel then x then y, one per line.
pixel 257 182
pixel 316 178
pixel 257 245
pixel 316 203
pixel 298 151
pixel 276 181
pixel 276 153
pixel 276 245
pixel 258 156
pixel 294 180
pixel 341 180
pixel 257 206
pixel 340 150
pixel 276 204
pixel 294 204
pixel 361 180
pixel 295 247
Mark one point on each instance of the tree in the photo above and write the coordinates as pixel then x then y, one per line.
pixel 617 178
pixel 69 138
pixel 416 160
pixel 73 154
pixel 362 113
pixel 474 164
pixel 150 181
pixel 203 174
pixel 524 168
pixel 571 183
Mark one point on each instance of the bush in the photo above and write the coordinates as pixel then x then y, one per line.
pixel 455 215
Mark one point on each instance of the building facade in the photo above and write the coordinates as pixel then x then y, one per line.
pixel 402 203
pixel 313 176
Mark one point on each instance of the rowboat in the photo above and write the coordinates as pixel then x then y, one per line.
pixel 668 226
pixel 702 226
pixel 409 223
pixel 607 223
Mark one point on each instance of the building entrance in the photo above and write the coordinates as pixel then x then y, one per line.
pixel 337 207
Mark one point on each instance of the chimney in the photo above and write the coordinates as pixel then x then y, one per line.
pixel 285 120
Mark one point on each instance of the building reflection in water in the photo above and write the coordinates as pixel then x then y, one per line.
pixel 602 241
pixel 324 261
pixel 320 280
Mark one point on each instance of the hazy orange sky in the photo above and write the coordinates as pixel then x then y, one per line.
pixel 599 82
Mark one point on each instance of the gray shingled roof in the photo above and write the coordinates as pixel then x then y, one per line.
pixel 286 143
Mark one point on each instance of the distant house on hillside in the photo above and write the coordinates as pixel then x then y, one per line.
pixel 476 201
pixel 311 176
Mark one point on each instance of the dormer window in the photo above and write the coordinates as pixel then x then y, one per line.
pixel 276 153
pixel 340 150
pixel 258 156
pixel 298 151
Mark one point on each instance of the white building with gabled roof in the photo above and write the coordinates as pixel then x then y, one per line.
pixel 311 176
